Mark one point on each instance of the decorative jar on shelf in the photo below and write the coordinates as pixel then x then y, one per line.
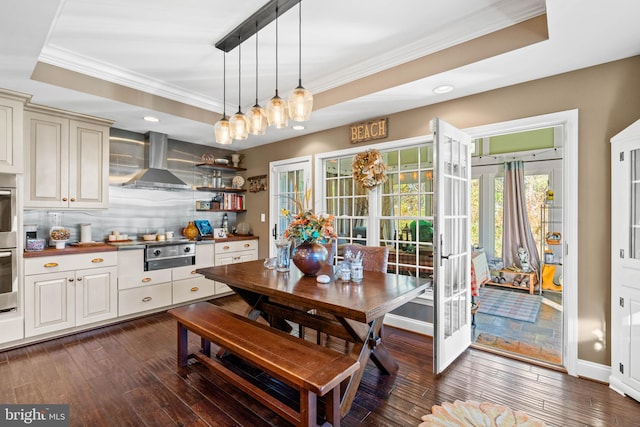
pixel 190 231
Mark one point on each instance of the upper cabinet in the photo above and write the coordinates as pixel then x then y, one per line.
pixel 11 116
pixel 66 160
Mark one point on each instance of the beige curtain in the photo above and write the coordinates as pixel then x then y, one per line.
pixel 516 231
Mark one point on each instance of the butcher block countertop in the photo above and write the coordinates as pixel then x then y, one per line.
pixel 106 247
pixel 71 250
pixel 231 238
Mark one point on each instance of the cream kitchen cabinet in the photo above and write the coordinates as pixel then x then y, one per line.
pixel 66 160
pixel 189 285
pixel 11 119
pixel 66 291
pixel 139 290
pixel 625 261
pixel 232 253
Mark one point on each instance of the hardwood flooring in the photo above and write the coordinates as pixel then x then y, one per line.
pixel 127 375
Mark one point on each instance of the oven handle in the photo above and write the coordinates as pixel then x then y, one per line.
pixel 5 254
pixel 5 192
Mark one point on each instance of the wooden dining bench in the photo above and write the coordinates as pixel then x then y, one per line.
pixel 311 369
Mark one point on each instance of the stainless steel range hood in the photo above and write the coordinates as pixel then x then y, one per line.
pixel 156 175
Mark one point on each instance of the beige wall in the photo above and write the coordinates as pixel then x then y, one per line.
pixel 608 100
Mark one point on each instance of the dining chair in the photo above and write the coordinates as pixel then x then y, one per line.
pixel 374 258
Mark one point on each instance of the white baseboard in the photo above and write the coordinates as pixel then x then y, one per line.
pixel 412 325
pixel 594 371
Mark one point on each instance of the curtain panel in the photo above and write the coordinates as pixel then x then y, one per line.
pixel 516 230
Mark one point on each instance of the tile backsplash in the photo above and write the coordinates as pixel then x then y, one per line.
pixel 133 212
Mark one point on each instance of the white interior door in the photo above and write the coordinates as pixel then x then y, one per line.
pixel 287 177
pixel 452 257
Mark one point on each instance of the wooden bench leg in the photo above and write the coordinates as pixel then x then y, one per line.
pixel 205 346
pixel 332 406
pixel 183 345
pixel 308 408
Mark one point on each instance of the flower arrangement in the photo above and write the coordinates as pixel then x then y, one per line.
pixel 306 226
pixel 369 169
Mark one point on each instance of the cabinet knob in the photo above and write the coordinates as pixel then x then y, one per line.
pixel 73 199
pixel 246 245
pixel 146 299
pixel 97 260
pixel 226 248
pixel 195 289
pixel 71 279
pixel 146 279
pixel 64 199
pixel 79 279
pixel 51 264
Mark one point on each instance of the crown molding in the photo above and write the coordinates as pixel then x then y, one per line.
pixel 64 58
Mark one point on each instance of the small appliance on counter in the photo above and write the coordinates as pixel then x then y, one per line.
pixel 85 233
pixel 58 235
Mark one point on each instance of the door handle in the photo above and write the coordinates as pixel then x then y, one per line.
pixel 445 256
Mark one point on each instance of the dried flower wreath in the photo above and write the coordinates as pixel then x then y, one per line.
pixel 369 169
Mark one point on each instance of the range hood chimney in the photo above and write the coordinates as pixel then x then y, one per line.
pixel 155 175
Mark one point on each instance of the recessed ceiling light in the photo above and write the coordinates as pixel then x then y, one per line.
pixel 443 89
pixel 151 119
pixel 297 127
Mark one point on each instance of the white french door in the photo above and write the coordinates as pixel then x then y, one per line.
pixel 287 178
pixel 452 257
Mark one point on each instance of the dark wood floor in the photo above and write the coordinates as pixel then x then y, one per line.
pixel 126 374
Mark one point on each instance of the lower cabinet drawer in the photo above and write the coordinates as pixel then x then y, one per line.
pixel 190 289
pixel 145 279
pixel 144 298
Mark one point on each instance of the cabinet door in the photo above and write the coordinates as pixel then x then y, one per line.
pixel 631 340
pixel 11 136
pixel 47 161
pixel 96 295
pixel 248 256
pixel 88 165
pixel 49 303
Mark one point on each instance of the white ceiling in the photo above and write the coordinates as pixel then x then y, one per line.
pixel 166 48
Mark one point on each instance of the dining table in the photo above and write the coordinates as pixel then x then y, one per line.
pixel 351 311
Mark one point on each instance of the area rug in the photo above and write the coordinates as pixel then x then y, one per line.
pixel 474 414
pixel 513 305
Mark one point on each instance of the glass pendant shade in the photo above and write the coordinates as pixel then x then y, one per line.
pixel 278 112
pixel 222 131
pixel 238 125
pixel 257 120
pixel 300 104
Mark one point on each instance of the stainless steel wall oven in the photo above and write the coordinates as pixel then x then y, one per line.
pixel 8 236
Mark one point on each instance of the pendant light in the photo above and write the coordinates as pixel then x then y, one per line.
pixel 257 116
pixel 222 130
pixel 300 100
pixel 277 110
pixel 238 122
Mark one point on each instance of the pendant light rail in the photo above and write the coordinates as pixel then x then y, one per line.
pixel 260 19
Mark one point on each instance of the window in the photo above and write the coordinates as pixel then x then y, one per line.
pixel 402 208
pixel 487 202
pixel 347 201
